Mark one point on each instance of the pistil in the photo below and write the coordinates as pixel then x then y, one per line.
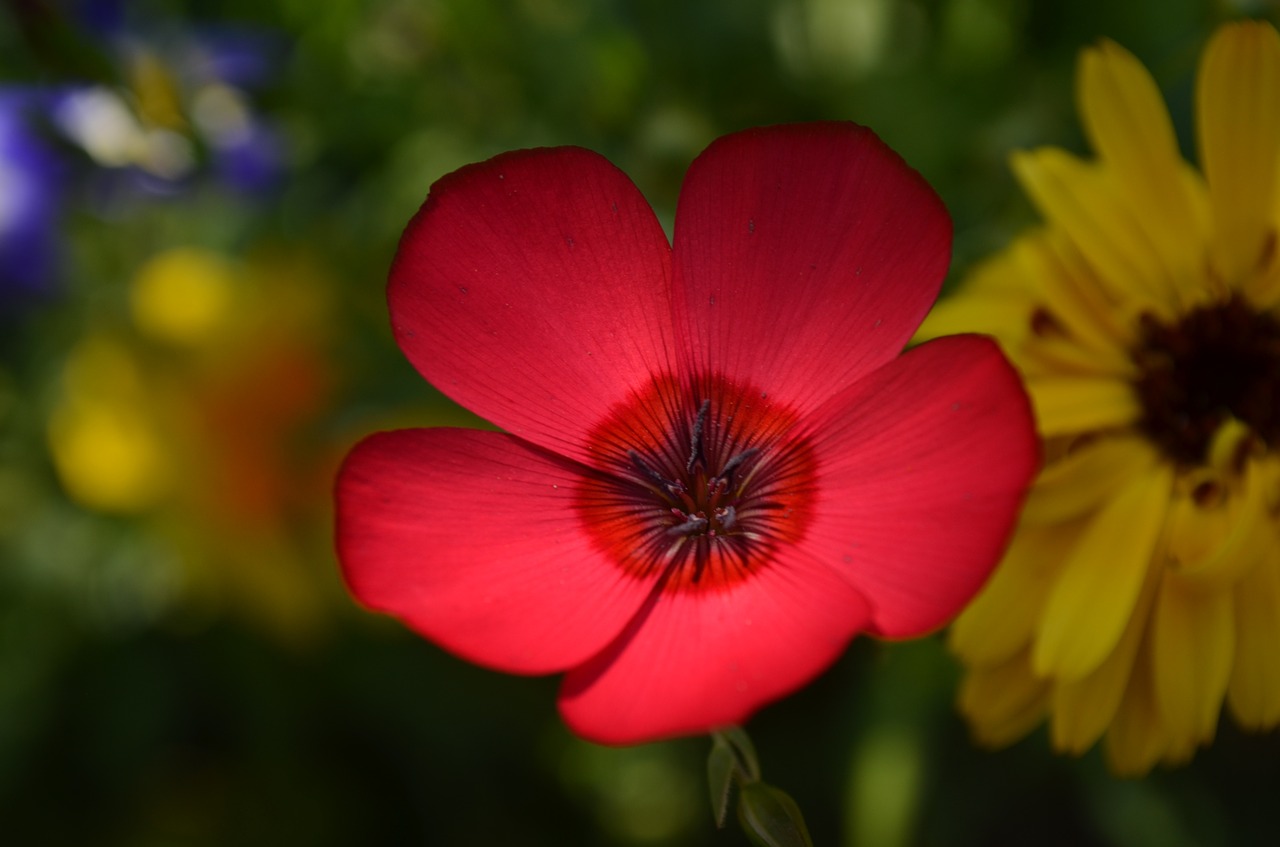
pixel 700 479
pixel 700 503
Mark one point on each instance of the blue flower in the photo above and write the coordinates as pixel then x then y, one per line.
pixel 31 186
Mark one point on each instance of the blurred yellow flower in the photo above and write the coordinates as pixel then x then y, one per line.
pixel 156 91
pixel 1143 587
pixel 105 441
pixel 199 416
pixel 183 296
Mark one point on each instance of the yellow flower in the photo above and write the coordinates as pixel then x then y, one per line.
pixel 1143 587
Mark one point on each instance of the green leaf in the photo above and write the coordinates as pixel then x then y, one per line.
pixel 722 768
pixel 770 817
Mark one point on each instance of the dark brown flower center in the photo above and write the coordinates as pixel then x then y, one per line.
pixel 1215 363
pixel 699 480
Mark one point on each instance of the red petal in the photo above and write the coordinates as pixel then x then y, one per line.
pixel 805 257
pixel 922 468
pixel 698 660
pixel 473 539
pixel 534 289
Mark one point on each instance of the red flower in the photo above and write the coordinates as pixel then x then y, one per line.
pixel 716 468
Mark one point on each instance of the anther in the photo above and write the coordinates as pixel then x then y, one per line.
pixel 692 526
pixel 737 461
pixel 695 441
pixel 728 517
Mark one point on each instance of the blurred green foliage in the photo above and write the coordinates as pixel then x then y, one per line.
pixel 186 670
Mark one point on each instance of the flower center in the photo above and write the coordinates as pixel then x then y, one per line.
pixel 1217 362
pixel 699 480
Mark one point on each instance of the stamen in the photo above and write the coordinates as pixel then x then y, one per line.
pixel 641 465
pixel 698 496
pixel 692 526
pixel 695 441
pixel 728 517
pixel 736 462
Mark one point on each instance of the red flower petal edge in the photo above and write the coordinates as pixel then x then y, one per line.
pixel 472 539
pixel 718 469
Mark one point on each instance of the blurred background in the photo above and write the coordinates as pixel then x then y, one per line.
pixel 198 205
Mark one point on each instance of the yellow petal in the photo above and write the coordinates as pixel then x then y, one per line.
pixel 1083 710
pixel 1254 690
pixel 1217 543
pixel 1003 703
pixel 1000 621
pixel 1194 531
pixel 1136 740
pixel 1071 405
pixel 1090 606
pixel 1070 277
pixel 1238 126
pixel 1128 124
pixel 1081 199
pixel 1073 299
pixel 1005 317
pixel 1060 356
pixel 1231 440
pixel 1179 751
pixel 1193 641
pixel 1263 290
pixel 1080 481
pixel 994 299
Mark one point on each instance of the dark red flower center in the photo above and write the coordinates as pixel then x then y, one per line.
pixel 699 481
pixel 1216 362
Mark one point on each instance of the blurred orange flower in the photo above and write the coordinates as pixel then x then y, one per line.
pixel 204 415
